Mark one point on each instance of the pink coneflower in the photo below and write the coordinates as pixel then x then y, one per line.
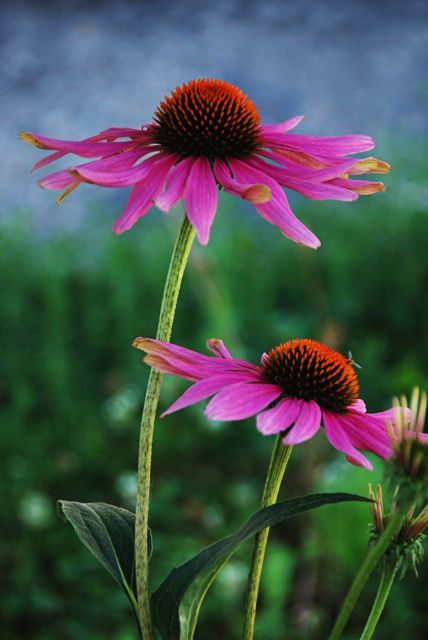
pixel 207 134
pixel 299 386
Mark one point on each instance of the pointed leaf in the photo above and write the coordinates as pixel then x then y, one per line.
pixel 108 532
pixel 177 601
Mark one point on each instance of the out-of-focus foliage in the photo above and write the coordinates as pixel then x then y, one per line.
pixel 72 387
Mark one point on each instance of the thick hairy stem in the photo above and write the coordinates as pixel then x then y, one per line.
pixel 166 318
pixel 275 474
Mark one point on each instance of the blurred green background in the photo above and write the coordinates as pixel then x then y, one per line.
pixel 71 390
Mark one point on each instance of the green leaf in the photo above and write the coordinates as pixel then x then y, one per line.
pixel 108 532
pixel 177 601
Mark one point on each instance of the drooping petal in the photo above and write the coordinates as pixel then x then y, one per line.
pixel 203 389
pixel 290 169
pixel 143 194
pixel 331 145
pixel 282 127
pixel 200 198
pixel 241 400
pixel 313 188
pixel 277 211
pixel 306 425
pixel 83 149
pixel 338 437
pixel 57 180
pixel 367 433
pixel 359 405
pixel 360 187
pixel 119 178
pixel 200 365
pixel 254 193
pixel 370 165
pixel 175 185
pixel 280 417
pixel 218 348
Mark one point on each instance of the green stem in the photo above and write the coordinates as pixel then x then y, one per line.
pixel 275 474
pixel 369 564
pixel 385 584
pixel 166 318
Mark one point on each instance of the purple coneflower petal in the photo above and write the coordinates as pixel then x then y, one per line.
pixel 306 425
pixel 200 198
pixel 282 127
pixel 218 349
pixel 290 169
pixel 241 400
pixel 361 187
pixel 338 437
pixel 143 194
pixel 195 365
pixel 119 178
pixel 280 417
pixel 175 185
pixel 252 192
pixel 335 146
pixel 368 433
pixel 277 210
pixel 203 389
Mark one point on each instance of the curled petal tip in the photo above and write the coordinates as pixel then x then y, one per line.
pixel 140 343
pixel 369 188
pixel 257 193
pixel 66 193
pixel 370 165
pixel 31 139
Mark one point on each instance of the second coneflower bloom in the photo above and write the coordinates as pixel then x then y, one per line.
pixel 208 134
pixel 298 387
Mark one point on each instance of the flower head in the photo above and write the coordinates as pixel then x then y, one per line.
pixel 207 135
pixel 407 466
pixel 406 549
pixel 298 386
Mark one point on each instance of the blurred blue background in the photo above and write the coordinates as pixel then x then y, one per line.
pixel 74 296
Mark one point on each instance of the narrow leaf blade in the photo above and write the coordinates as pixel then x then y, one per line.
pixel 177 601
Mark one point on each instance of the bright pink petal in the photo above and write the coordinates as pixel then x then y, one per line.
pixel 306 425
pixel 241 400
pixel 120 178
pixel 277 211
pixel 200 198
pixel 203 389
pixel 282 127
pixel 312 188
pixel 338 437
pixel 254 193
pixel 334 146
pixel 367 433
pixel 175 185
pixel 290 169
pixel 197 365
pixel 57 180
pixel 83 149
pixel 360 187
pixel 280 417
pixel 218 348
pixel 359 405
pixel 143 194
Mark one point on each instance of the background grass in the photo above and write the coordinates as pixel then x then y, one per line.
pixel 72 388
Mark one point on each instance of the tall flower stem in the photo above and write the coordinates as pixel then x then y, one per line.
pixel 385 584
pixel 369 564
pixel 166 318
pixel 275 474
